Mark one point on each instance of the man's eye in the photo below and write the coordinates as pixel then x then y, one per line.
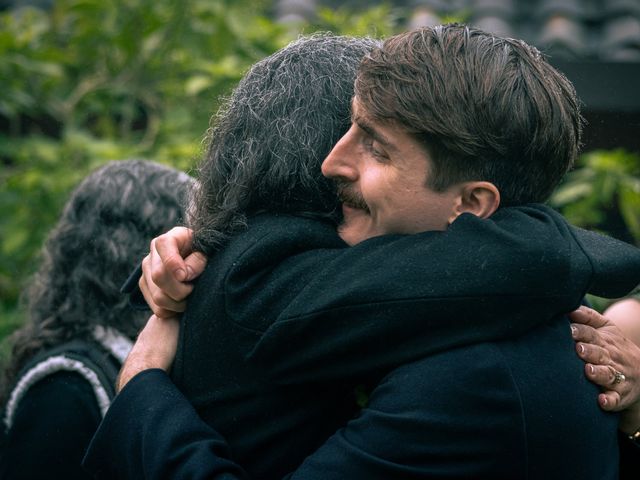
pixel 370 146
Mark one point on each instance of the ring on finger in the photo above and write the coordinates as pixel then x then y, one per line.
pixel 618 377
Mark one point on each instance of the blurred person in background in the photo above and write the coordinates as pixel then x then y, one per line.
pixel 60 378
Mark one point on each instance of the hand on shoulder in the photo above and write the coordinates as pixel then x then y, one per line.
pixel 168 270
pixel 612 358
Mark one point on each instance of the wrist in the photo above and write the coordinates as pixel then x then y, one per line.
pixel 133 367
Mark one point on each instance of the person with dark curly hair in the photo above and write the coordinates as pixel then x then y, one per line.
pixel 60 378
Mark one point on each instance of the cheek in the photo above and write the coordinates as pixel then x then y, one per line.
pixel 381 189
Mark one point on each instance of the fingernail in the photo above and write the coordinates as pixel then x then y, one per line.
pixel 190 273
pixel 180 274
pixel 581 348
pixel 574 331
pixel 592 370
pixel 604 401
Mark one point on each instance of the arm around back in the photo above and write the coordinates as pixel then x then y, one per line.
pixel 480 280
pixel 151 431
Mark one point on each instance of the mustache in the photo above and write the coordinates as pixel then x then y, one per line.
pixel 351 196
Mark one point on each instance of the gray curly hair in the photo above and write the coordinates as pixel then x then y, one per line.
pixel 104 230
pixel 268 140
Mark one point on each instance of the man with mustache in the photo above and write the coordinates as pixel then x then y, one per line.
pixel 477 411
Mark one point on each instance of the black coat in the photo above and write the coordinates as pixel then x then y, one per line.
pixel 285 322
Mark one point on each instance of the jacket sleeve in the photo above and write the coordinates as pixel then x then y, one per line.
pixel 151 431
pixel 393 299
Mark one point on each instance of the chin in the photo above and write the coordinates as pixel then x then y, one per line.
pixel 348 235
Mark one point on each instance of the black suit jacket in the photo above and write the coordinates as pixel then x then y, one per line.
pixel 514 409
pixel 285 321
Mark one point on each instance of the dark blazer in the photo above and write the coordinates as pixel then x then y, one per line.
pixel 285 321
pixel 515 409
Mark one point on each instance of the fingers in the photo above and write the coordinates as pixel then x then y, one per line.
pixel 171 248
pixel 610 401
pixel 161 304
pixel 612 361
pixel 588 316
pixel 615 396
pixel 159 273
pixel 195 264
pixel 604 376
pixel 173 263
pixel 165 273
pixel 585 333
pixel 593 354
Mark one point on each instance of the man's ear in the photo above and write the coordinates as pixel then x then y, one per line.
pixel 479 198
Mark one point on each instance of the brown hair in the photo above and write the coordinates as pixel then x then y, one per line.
pixel 486 108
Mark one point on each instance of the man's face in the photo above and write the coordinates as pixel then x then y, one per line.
pixel 381 172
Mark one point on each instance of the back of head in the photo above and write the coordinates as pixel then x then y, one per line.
pixel 270 137
pixel 103 232
pixel 486 108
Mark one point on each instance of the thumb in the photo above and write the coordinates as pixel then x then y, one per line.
pixel 195 264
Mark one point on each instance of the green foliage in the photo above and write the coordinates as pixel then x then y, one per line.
pixel 96 80
pixel 603 193
pixel 11 319
pixel 377 22
pixel 92 81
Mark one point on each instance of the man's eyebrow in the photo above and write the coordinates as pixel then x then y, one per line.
pixel 371 131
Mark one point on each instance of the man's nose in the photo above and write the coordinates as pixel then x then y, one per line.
pixel 341 161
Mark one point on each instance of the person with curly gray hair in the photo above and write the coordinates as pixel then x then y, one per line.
pixel 60 378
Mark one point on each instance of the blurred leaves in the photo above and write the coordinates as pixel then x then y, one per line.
pixel 93 80
pixel 378 21
pixel 603 193
pixel 96 80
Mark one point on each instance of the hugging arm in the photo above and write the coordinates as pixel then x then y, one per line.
pixel 481 280
pixel 151 431
pixel 155 347
pixel 427 292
